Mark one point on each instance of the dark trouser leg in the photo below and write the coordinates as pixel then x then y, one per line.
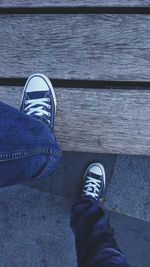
pixel 28 148
pixel 95 244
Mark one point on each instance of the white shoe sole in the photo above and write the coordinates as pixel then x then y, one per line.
pixel 48 83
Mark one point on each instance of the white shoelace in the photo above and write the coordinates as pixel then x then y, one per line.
pixel 39 111
pixel 92 187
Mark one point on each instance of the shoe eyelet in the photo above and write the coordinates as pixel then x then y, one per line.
pixel 49 114
pixel 26 101
pixel 48 99
pixel 49 106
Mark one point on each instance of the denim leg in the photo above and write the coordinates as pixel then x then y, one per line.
pixel 95 244
pixel 31 168
pixel 28 148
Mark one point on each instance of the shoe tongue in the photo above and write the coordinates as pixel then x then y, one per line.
pixel 94 175
pixel 37 94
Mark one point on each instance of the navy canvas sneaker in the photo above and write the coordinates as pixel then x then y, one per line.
pixel 94 181
pixel 39 100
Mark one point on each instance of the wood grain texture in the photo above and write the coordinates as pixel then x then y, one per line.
pixel 103 121
pixel 65 46
pixel 72 3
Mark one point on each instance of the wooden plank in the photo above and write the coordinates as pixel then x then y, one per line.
pixel 66 46
pixel 98 120
pixel 77 3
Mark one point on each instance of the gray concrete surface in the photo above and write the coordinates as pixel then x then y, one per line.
pixel 133 237
pixel 129 189
pixel 34 229
pixel 35 232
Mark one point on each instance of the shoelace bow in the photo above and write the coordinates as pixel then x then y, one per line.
pixel 39 111
pixel 92 187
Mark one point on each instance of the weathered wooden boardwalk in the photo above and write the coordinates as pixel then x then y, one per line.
pixel 98 60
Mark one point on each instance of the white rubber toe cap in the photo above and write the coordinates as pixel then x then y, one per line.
pixel 37 82
pixel 97 170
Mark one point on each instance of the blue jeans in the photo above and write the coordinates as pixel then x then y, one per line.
pixel 29 151
pixel 95 244
pixel 28 148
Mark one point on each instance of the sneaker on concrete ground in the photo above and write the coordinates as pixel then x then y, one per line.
pixel 94 181
pixel 39 100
